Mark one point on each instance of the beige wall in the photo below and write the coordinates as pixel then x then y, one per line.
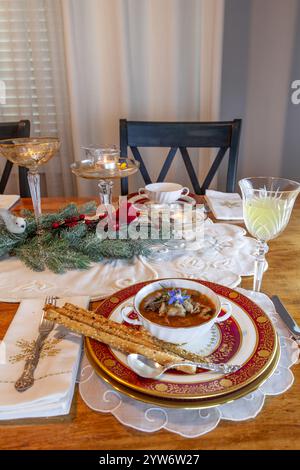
pixel 259 58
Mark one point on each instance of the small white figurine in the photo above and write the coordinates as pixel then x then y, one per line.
pixel 13 224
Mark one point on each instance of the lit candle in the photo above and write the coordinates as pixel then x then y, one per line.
pixel 108 163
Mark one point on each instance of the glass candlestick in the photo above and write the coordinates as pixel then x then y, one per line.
pixel 105 192
pixel 104 164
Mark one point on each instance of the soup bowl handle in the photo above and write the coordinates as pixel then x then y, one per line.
pixel 185 191
pixel 227 314
pixel 125 313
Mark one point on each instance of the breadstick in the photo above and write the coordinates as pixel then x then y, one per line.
pixel 116 342
pixel 109 326
pixel 173 348
pixel 140 336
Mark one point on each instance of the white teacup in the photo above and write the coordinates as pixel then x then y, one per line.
pixel 164 193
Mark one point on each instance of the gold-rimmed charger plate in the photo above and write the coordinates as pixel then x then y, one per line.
pixel 250 326
pixel 187 404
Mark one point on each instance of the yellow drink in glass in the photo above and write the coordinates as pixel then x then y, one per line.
pixel 267 206
pixel 265 217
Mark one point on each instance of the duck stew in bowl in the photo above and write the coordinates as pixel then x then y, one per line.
pixel 178 308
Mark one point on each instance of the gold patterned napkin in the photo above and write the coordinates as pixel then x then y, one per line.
pixel 55 375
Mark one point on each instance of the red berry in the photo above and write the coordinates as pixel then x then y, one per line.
pixel 55 225
pixel 74 219
pixel 88 222
pixel 81 217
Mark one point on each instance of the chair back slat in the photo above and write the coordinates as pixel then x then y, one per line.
pixel 143 168
pixel 167 164
pixel 233 155
pixel 190 170
pixel 178 134
pixel 182 135
pixel 214 167
pixel 11 130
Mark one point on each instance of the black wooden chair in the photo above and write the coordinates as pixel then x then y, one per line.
pixel 11 130
pixel 180 135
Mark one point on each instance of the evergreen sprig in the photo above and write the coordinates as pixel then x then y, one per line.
pixel 67 247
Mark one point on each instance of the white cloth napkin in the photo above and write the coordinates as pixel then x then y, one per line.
pixel 225 206
pixel 8 200
pixel 55 375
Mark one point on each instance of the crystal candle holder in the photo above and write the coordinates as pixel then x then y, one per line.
pixel 104 164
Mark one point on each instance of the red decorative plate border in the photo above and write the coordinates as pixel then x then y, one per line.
pixel 263 355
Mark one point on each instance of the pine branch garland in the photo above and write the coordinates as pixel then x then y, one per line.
pixel 71 246
pixel 8 241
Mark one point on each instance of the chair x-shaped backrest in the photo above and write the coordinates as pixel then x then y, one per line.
pixel 181 135
pixel 13 130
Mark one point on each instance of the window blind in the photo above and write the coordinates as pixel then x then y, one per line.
pixel 32 68
pixel 25 65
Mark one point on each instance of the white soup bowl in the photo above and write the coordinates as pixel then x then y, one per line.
pixel 176 335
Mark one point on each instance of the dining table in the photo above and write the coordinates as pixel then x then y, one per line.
pixel 276 426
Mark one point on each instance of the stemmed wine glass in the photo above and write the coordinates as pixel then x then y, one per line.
pixel 31 153
pixel 267 206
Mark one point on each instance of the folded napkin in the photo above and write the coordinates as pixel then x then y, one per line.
pixel 55 375
pixel 8 200
pixel 225 206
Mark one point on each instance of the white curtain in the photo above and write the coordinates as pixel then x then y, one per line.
pixel 93 62
pixel 142 60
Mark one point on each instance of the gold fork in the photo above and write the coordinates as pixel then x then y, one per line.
pixel 27 378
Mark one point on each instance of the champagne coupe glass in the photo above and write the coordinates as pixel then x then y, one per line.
pixel 31 153
pixel 267 206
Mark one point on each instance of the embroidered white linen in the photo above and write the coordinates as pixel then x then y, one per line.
pixel 55 375
pixel 228 254
pixel 225 206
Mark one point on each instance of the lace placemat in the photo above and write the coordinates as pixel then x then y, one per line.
pixel 101 397
pixel 228 256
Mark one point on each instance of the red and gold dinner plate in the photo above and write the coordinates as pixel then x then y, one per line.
pixel 186 404
pixel 247 338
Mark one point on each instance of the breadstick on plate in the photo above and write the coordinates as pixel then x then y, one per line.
pixel 141 336
pixel 125 346
pixel 101 323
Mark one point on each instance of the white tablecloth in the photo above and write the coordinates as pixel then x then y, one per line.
pixel 228 256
